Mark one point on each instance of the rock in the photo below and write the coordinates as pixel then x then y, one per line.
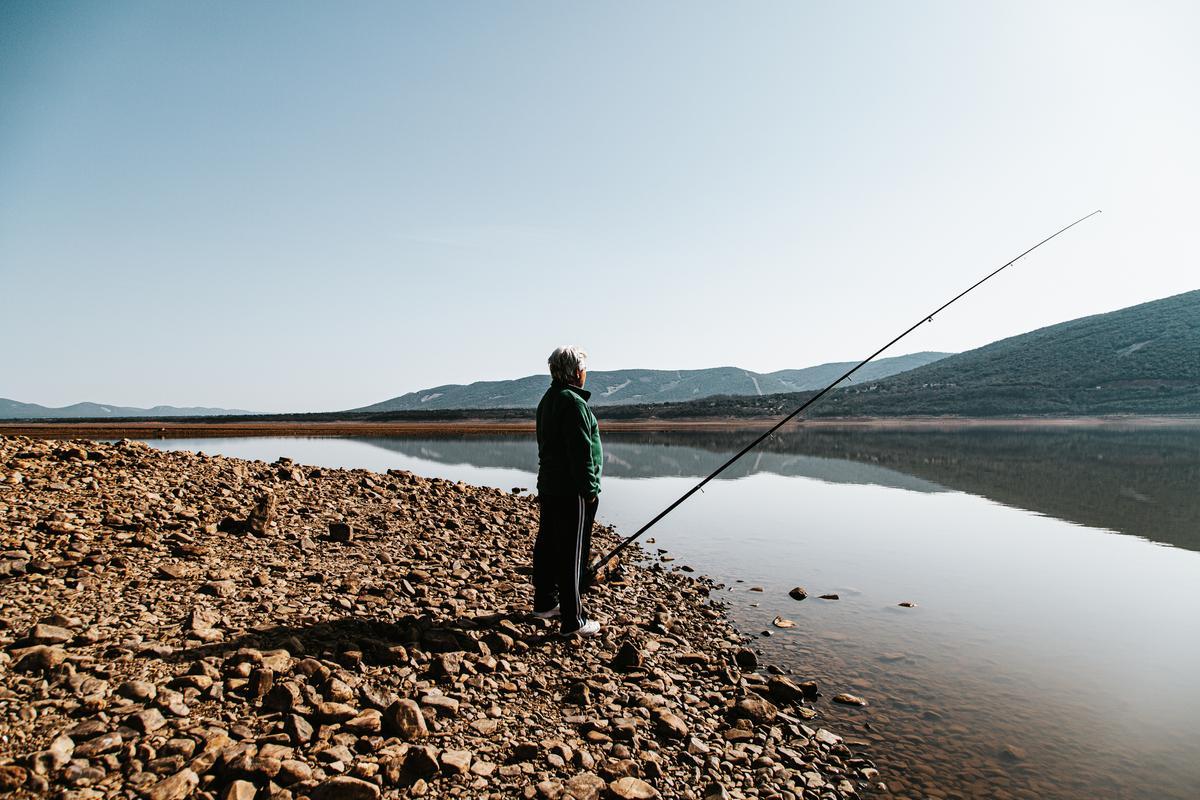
pixel 747 659
pixel 780 622
pixel 341 532
pixel 849 699
pixel 785 691
pixel 336 712
pixel 344 788
pixel 446 665
pixel 446 706
pixel 298 729
pixel 422 761
pixel 224 588
pixel 283 697
pixel 58 754
pixel 38 659
pixel 176 787
pixel 12 777
pixel 670 726
pixel 456 762
pixel 632 789
pixel 293 771
pixel 715 791
pixel 239 790
pixel 907 604
pixel 138 691
pixel 404 719
pixel 88 729
pixel 628 657
pixel 105 743
pixel 173 572
pixel 262 515
pixel 50 634
pixel 585 786
pixel 1011 752
pixel 755 709
pixel 798 593
pixel 825 737
pixel 366 723
pixel 148 721
pixel 829 597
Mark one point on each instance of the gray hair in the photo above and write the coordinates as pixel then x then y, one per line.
pixel 566 362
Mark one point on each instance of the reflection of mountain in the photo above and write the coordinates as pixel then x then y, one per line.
pixel 633 459
pixel 1142 482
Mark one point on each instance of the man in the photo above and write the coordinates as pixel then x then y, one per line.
pixel 569 461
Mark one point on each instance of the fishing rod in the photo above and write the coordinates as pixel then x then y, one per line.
pixel 594 568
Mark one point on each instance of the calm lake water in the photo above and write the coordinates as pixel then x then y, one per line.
pixel 1054 649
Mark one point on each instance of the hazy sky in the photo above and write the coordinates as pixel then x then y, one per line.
pixel 295 206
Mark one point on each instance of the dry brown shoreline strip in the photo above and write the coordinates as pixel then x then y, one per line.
pixel 178 624
pixel 199 428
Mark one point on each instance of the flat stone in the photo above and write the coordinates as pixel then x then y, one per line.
pixel 224 588
pixel 105 743
pixel 50 634
pixel 825 737
pixel 344 787
pixel 148 721
pixel 585 786
pixel 176 787
pixel 366 723
pixel 456 762
pixel 630 788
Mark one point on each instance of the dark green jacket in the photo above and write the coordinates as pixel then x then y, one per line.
pixel 568 436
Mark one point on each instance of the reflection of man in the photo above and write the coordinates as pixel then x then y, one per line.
pixel 569 461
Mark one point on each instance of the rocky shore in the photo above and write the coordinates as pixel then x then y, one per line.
pixel 180 625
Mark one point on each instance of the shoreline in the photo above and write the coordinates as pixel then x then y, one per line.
pixel 201 429
pixel 199 625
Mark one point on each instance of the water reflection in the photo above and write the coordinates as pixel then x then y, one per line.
pixel 1142 482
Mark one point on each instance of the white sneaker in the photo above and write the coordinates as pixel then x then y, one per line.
pixel 550 614
pixel 589 628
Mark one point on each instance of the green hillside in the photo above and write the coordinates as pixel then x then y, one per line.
pixel 1144 359
pixel 1141 359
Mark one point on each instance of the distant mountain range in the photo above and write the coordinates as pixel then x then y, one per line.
pixel 11 409
pixel 626 386
pixel 1144 359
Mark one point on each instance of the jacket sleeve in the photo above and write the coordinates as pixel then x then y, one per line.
pixel 577 434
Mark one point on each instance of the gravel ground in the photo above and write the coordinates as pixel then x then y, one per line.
pixel 176 624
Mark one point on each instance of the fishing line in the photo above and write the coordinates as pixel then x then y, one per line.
pixel 594 568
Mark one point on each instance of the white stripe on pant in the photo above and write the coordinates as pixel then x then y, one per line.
pixel 578 551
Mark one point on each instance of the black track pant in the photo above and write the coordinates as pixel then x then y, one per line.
pixel 560 555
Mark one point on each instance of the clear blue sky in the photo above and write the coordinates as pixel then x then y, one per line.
pixel 300 206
